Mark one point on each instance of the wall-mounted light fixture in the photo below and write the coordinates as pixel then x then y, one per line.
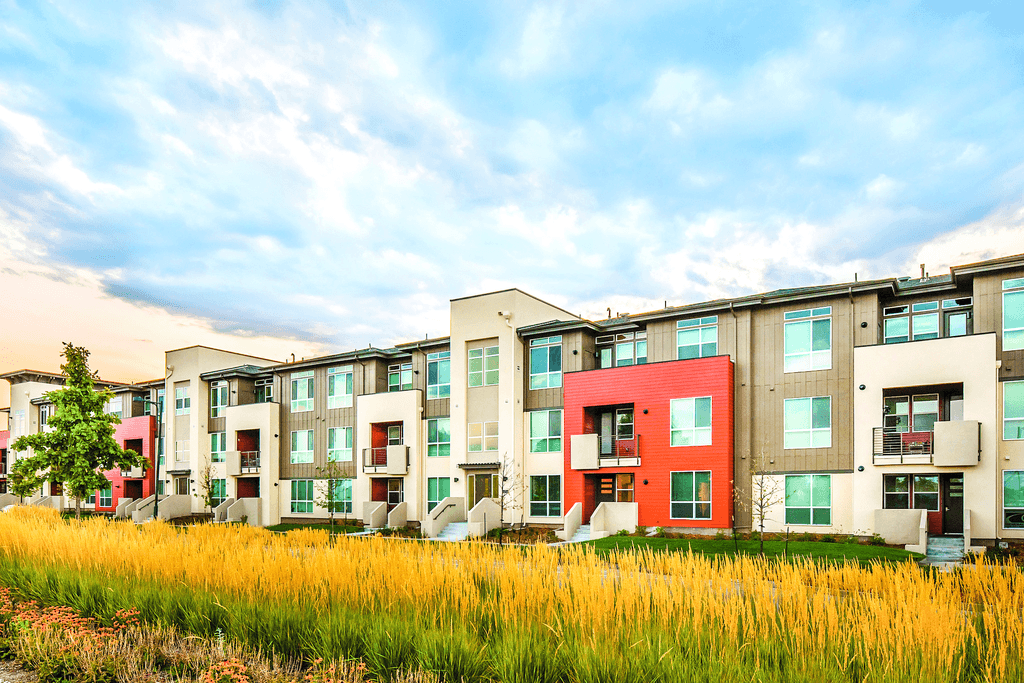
pixel 862 387
pixel 864 324
pixel 645 482
pixel 456 480
pixel 645 411
pixel 861 468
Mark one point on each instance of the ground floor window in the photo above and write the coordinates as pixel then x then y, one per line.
pixel 342 497
pixel 91 500
pixel 546 495
pixel 691 495
pixel 438 488
pixel 302 495
pixel 809 499
pixel 903 491
pixel 624 488
pixel 106 496
pixel 218 491
pixel 181 486
pixel 1013 499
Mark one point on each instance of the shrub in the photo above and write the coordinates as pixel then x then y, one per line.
pixel 828 538
pixel 659 531
pixel 852 539
pixel 229 671
pixel 622 532
pixel 720 536
pixel 806 537
pixel 876 540
pixel 641 530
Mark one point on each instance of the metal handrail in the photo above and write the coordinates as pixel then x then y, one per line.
pixel 888 443
pixel 375 457
pixel 249 461
pixel 622 449
pixel 435 515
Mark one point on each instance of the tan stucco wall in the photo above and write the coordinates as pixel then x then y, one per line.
pixel 842 508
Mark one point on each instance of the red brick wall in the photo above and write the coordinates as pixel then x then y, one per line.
pixel 652 387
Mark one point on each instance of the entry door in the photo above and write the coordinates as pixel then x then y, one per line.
pixel 133 489
pixel 605 490
pixel 395 493
pixel 482 486
pixel 953 503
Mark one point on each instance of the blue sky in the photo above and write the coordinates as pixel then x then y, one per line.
pixel 328 175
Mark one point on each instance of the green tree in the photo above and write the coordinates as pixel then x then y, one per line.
pixel 79 444
pixel 330 497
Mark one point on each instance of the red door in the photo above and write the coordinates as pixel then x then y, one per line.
pixel 379 489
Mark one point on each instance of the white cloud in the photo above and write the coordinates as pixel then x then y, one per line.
pixel 1001 233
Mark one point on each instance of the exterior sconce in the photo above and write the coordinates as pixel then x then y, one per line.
pixel 864 324
pixel 645 482
pixel 861 468
pixel 862 387
pixel 645 411
pixel 456 480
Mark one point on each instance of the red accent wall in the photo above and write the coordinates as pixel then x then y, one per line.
pixel 5 436
pixel 144 428
pixel 652 387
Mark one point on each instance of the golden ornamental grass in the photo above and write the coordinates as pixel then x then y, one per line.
pixel 893 617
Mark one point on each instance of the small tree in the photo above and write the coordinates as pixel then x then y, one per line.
pixel 766 491
pixel 205 487
pixel 329 498
pixel 510 493
pixel 79 444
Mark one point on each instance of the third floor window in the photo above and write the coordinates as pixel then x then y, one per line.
pixel 697 338
pixel 439 374
pixel 624 348
pixel 808 339
pixel 218 398
pixel 1013 314
pixel 302 391
pixel 483 366
pixel 546 362
pixel 927 320
pixel 400 377
pixel 339 387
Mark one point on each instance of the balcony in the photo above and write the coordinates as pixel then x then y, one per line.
pixel 952 444
pixel 386 460
pixel 242 462
pixel 591 452
pixel 901 448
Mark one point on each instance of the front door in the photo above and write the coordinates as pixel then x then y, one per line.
pixel 396 493
pixel 482 486
pixel 605 490
pixel 133 489
pixel 247 487
pixel 952 503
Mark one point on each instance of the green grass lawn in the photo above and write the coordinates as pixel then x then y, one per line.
pixel 865 554
pixel 338 528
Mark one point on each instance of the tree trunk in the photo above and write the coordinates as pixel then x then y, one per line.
pixel 78 507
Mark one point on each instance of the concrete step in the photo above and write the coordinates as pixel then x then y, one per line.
pixel 582 534
pixel 945 549
pixel 456 531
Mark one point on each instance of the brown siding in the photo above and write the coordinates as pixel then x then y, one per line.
pixel 988 317
pixel 438 407
pixel 243 392
pixel 552 398
pixel 661 341
pixel 216 424
pixel 320 419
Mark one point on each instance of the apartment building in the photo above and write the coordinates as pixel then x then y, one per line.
pixel 892 406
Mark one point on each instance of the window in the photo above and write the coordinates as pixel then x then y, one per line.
pixel 546 431
pixel 697 338
pixel 302 495
pixel 182 402
pixel 438 488
pixel 339 444
pixel 896 492
pixel 624 488
pixel 439 437
pixel 45 413
pixel 395 435
pixel 302 391
pixel 483 366
pixel 113 407
pixel 1013 314
pixel 483 436
pixel 159 408
pixel 218 491
pixel 625 348
pixel 160 487
pixel 808 422
pixel 218 398
pixel 809 499
pixel 546 362
pixel 106 497
pixel 400 377
pixel 91 500
pixel 546 496
pixel 925 325
pixel 218 444
pixel 160 451
pixel 439 374
pixel 1013 499
pixel 899 490
pixel 181 450
pixel 808 339
pixel 181 486
pixel 342 495
pixel 1013 410
pixel 264 390
pixel 302 446
pixel 691 421
pixel 926 492
pixel 339 387
pixel 691 495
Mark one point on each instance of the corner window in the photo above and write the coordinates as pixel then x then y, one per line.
pixel 624 348
pixel 439 437
pixel 808 339
pixel 339 387
pixel 182 402
pixel 483 366
pixel 546 496
pixel 218 398
pixel 691 421
pixel 439 374
pixel 1013 411
pixel 400 377
pixel 218 491
pixel 302 495
pixel 482 436
pixel 339 444
pixel 809 499
pixel 438 488
pixel 1013 314
pixel 546 362
pixel 1013 499
pixel 691 495
pixel 218 445
pixel 697 338
pixel 808 422
pixel 302 391
pixel 264 390
pixel 546 431
pixel 302 446
pixel 342 498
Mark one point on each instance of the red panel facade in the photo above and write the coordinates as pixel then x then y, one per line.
pixel 651 388
pixel 136 429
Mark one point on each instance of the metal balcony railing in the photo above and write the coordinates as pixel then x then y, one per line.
pixel 902 448
pixel 249 462
pixel 374 458
pixel 615 451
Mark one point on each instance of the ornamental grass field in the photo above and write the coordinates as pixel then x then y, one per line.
pixel 478 612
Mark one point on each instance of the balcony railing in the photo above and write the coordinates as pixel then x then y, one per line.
pixel 902 448
pixel 249 462
pixel 616 452
pixel 386 459
pixel 375 457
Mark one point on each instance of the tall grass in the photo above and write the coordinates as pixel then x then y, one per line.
pixel 479 612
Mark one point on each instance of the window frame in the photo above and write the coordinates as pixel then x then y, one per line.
pixel 305 380
pixel 293 450
pixel 343 375
pixel 432 502
pixel 810 507
pixel 439 363
pixel 337 454
pixel 545 506
pixel 301 505
pixel 478 433
pixel 436 448
pixel 811 431
pixel 616 341
pixel 694 429
pixel 483 357
pixel 545 378
pixel 1014 509
pixel 808 317
pixel 700 326
pixel 263 390
pixel 218 491
pixel 1016 419
pixel 342 498
pixel 543 444
pixel 400 376
pixel 1014 288
pixel 182 401
pixel 218 392
pixel 106 494
pixel 693 501
pixel 222 438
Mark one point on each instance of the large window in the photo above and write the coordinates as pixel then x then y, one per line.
pixel 439 437
pixel 624 348
pixel 1013 314
pixel 438 488
pixel 218 445
pixel 917 413
pixel 1013 499
pixel 808 339
pixel 546 496
pixel 218 491
pixel 339 444
pixel 400 377
pixel 691 495
pixel 483 366
pixel 546 431
pixel 546 362
pixel 264 390
pixel 903 491
pixel 302 391
pixel 302 495
pixel 439 374
pixel 926 492
pixel 218 398
pixel 182 402
pixel 896 492
pixel 302 446
pixel 808 422
pixel 482 436
pixel 1013 410
pixel 113 407
pixel 342 495
pixel 697 338
pixel 106 496
pixel 339 387
pixel 691 421
pixel 809 499
pixel 181 450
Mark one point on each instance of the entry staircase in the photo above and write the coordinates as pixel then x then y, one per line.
pixel 945 549
pixel 582 534
pixel 456 531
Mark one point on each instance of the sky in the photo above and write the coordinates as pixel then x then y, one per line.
pixel 308 177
